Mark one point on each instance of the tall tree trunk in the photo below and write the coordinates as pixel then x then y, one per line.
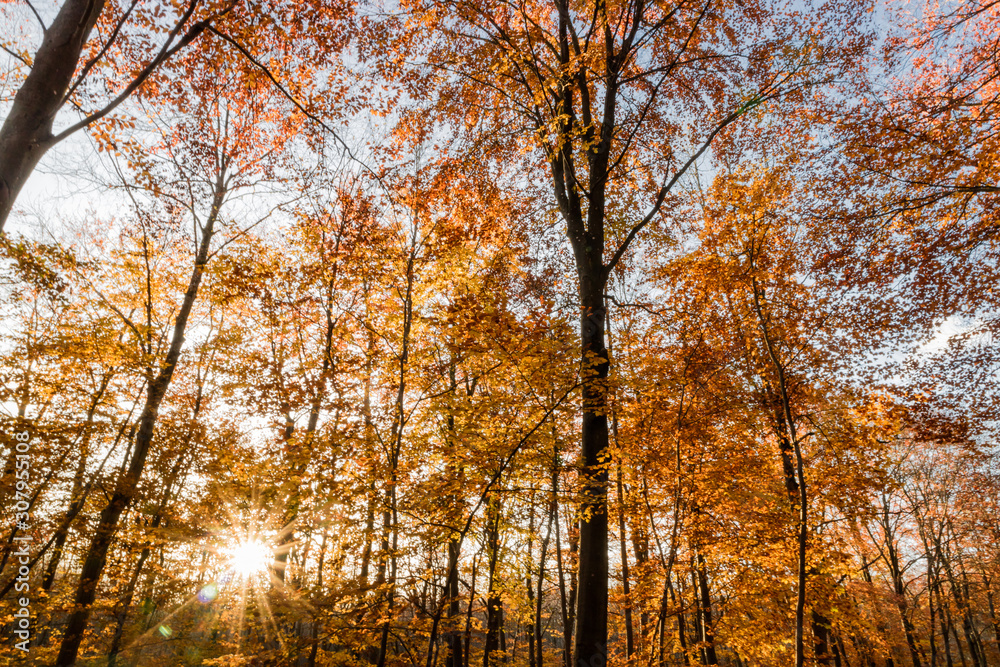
pixel 623 550
pixel 121 615
pixel 591 638
pixel 493 643
pixel 565 601
pixel 927 536
pixel 302 453
pixel 457 507
pixel 439 611
pixel 945 626
pixel 962 603
pixel 993 612
pixel 930 603
pixel 468 612
pixel 390 519
pixel 704 597
pixel 314 630
pixel 821 634
pixel 369 435
pixel 677 600
pixel 975 641
pixel 802 500
pixel 97 553
pixel 537 629
pixel 899 589
pixel 640 547
pixel 529 627
pixel 954 635
pixel 454 634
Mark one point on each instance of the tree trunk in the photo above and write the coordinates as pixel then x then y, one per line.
pixel 678 602
pixel 454 634
pixel 565 601
pixel 390 523
pixel 993 612
pixel 27 132
pixel 975 640
pixel 945 626
pixel 468 611
pixel 930 603
pixel 900 591
pixel 529 627
pixel 314 631
pixel 821 634
pixel 640 546
pixel 96 557
pixel 457 507
pixel 537 629
pixel 703 594
pixel 623 550
pixel 123 606
pixel 493 646
pixel 963 608
pixel 802 500
pixel 301 454
pixel 592 603
pixel 370 451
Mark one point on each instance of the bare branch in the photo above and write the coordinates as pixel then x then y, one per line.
pixel 165 53
pixel 291 98
pixel 35 12
pixel 100 54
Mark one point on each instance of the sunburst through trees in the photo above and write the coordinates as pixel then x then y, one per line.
pixel 474 332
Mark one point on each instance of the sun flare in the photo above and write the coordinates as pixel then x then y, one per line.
pixel 250 558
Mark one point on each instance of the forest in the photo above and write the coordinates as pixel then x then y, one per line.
pixel 522 333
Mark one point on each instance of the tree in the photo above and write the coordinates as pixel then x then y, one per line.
pixel 207 180
pixel 595 92
pixel 57 77
pixel 134 53
pixel 306 398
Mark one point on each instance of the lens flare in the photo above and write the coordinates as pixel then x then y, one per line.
pixel 250 558
pixel 208 593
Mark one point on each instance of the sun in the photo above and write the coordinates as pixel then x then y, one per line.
pixel 250 558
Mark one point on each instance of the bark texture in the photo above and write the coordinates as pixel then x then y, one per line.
pixel 27 132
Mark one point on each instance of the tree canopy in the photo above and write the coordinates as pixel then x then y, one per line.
pixel 460 332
